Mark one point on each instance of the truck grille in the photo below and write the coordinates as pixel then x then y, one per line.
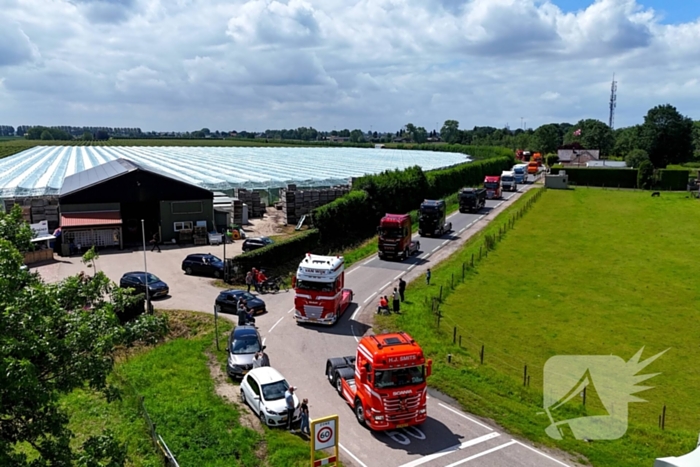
pixel 401 408
pixel 312 311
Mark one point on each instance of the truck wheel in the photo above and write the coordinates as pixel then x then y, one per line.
pixel 360 412
pixel 338 383
pixel 330 374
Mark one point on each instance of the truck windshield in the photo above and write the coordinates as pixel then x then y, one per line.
pixel 491 185
pixel 390 232
pixel 507 179
pixel 399 377
pixel 315 286
pixel 468 195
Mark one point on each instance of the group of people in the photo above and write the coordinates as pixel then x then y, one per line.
pixel 397 297
pixel 255 278
pixel 289 399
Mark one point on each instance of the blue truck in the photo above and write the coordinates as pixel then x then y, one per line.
pixel 520 173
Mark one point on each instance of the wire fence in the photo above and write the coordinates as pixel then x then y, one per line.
pixel 169 459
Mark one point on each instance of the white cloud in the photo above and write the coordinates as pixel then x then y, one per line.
pixel 185 64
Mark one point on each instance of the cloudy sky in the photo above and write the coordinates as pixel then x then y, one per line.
pixel 370 64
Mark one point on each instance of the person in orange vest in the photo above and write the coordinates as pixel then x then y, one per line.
pixel 261 278
pixel 383 305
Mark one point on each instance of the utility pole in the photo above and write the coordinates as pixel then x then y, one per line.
pixel 613 103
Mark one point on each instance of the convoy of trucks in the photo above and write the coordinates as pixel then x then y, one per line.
pixel 508 181
pixel 432 218
pixel 395 240
pixel 320 293
pixel 385 382
pixel 492 183
pixel 472 199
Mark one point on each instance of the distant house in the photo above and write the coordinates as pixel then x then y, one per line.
pixel 577 157
pixel 339 139
pixel 607 164
pixel 434 139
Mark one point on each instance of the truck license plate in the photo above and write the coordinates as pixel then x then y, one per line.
pixel 402 425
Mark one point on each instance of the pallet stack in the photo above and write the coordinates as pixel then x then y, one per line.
pixel 35 210
pixel 298 203
pixel 252 199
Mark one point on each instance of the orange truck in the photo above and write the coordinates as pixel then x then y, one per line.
pixel 395 237
pixel 385 382
pixel 320 293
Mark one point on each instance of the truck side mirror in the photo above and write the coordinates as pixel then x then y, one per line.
pixel 429 368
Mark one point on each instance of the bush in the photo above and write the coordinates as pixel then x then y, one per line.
pixel 645 177
pixel 673 179
pixel 350 216
pixel 394 190
pixel 636 157
pixel 551 159
pixel 584 176
pixel 277 254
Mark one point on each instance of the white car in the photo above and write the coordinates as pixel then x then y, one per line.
pixel 263 390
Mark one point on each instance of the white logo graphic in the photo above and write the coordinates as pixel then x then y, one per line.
pixel 610 377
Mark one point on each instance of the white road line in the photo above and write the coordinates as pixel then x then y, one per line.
pixel 451 449
pixel 370 297
pixel 347 273
pixel 397 277
pixel 436 249
pixel 464 416
pixel 264 339
pixel 352 328
pixel 426 256
pixel 452 215
pixel 411 267
pixel 278 322
pixel 290 310
pixel 385 286
pixel 542 454
pixel 362 464
pixel 481 454
pixel 461 231
pixel 356 312
pixel 367 262
pixel 445 242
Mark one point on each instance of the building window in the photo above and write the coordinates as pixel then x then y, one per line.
pixel 186 207
pixel 184 225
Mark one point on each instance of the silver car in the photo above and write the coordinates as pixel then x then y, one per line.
pixel 243 344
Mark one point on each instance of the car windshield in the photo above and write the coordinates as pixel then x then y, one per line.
pixel 212 259
pixel 391 232
pixel 274 391
pixel 151 278
pixel 315 286
pixel 245 345
pixel 399 377
pixel 491 185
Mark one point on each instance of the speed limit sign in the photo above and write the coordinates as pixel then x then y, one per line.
pixel 325 436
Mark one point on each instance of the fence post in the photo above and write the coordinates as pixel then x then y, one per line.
pixel 460 340
pixel 452 284
pixel 454 335
pixel 479 252
pixel 472 259
pixel 440 301
pixel 525 376
pixel 584 395
pixel 482 354
pixel 663 418
pixel 463 272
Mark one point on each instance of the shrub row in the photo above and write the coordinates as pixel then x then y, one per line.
pixel 670 179
pixel 443 182
pixel 583 176
pixel 476 152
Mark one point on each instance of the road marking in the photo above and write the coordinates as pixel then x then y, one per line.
pixel 385 286
pixel 362 464
pixel 498 204
pixel 463 230
pixel 356 312
pixel 370 297
pixel 278 322
pixel 368 261
pixel 483 453
pixel 347 273
pixel 397 277
pixel 452 215
pixel 426 256
pixel 541 453
pixel 290 310
pixel 436 249
pixel 445 242
pixel 264 339
pixel 411 267
pixel 352 328
pixel 451 449
pixel 464 416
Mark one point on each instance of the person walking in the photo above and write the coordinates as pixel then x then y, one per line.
pixel 264 359
pixel 249 280
pixel 289 399
pixel 155 241
pixel 254 273
pixel 304 428
pixel 427 277
pixel 397 300
pixel 402 288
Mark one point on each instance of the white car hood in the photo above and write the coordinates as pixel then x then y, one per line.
pixel 280 405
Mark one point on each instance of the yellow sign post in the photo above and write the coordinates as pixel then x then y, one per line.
pixel 324 435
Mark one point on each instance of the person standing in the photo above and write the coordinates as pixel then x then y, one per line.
pixel 289 399
pixel 155 241
pixel 254 273
pixel 427 277
pixel 242 312
pixel 402 288
pixel 304 428
pixel 397 300
pixel 249 280
pixel 257 360
pixel 383 305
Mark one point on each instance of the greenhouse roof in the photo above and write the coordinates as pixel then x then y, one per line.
pixel 40 171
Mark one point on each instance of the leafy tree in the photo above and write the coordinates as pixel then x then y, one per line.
pixel 450 131
pixel 627 139
pixel 356 136
pixel 87 136
pixel 55 338
pixel 594 135
pixel 667 136
pixel 420 135
pixel 547 139
pixel 696 138
pixel 645 175
pixel 14 229
pixel 636 157
pixel 46 135
pixel 205 131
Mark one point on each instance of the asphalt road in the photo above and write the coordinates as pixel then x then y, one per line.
pixel 449 437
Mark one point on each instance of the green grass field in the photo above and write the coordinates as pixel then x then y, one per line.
pixel 584 272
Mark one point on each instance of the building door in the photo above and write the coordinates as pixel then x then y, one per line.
pixel 132 213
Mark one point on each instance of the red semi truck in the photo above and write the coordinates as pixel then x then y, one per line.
pixel 385 382
pixel 494 190
pixel 395 237
pixel 321 296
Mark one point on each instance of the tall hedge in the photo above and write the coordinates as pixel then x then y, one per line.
pixel 447 181
pixel 278 253
pixel 670 179
pixel 350 216
pixel 394 190
pixel 585 176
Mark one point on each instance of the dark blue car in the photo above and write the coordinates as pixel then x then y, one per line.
pixel 137 280
pixel 203 264
pixel 227 302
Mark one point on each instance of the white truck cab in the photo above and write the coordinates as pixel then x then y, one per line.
pixel 508 181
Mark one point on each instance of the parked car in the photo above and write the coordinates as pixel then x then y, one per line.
pixel 227 302
pixel 137 281
pixel 263 390
pixel 255 243
pixel 204 264
pixel 243 343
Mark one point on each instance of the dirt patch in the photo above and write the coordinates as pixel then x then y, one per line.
pixel 271 224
